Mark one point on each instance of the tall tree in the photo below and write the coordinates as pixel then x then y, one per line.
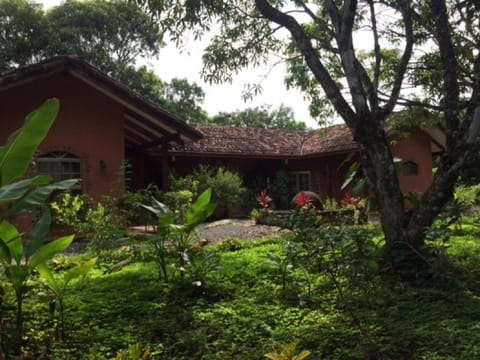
pixel 431 44
pixel 23 35
pixel 261 117
pixel 184 99
pixel 110 34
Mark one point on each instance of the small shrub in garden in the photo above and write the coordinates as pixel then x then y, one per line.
pixel 264 215
pixel 178 201
pixel 72 210
pixel 174 234
pixel 280 189
pixel 288 352
pixel 226 185
pixel 129 205
pixel 469 195
pixel 103 227
pixel 230 244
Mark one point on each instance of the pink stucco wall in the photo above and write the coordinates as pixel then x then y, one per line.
pixel 417 148
pixel 89 125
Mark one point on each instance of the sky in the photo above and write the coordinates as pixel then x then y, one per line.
pixel 173 63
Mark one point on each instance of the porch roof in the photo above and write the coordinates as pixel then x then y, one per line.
pixel 146 125
pixel 254 142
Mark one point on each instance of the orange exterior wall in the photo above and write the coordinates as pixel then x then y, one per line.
pixel 416 148
pixel 89 125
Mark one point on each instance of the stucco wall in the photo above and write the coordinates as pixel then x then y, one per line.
pixel 416 149
pixel 89 125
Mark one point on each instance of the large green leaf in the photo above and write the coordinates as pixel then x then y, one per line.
pixel 17 154
pixel 38 196
pixel 165 221
pixel 13 241
pixel 49 279
pixel 49 251
pixel 158 208
pixel 200 210
pixel 352 172
pixel 17 275
pixel 37 235
pixel 16 190
pixel 79 270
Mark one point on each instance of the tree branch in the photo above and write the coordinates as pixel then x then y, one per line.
pixel 407 54
pixel 344 28
pixel 311 58
pixel 376 49
pixel 451 88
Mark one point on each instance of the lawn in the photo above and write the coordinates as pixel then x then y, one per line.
pixel 337 303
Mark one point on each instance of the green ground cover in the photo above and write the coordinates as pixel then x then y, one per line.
pixel 262 297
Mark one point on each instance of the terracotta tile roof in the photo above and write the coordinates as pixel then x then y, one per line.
pixel 227 141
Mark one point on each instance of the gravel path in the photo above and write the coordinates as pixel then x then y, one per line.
pixel 241 229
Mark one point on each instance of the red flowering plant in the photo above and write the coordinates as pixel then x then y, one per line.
pixel 263 215
pixel 263 199
pixel 358 205
pixel 302 200
pixel 349 200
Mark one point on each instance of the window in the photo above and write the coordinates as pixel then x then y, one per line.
pixel 300 181
pixel 59 165
pixel 409 168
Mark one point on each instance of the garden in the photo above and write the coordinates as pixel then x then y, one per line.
pixel 320 289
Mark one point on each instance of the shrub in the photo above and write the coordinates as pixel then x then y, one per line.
pixel 281 193
pixel 469 195
pixel 129 205
pixel 226 186
pixel 72 210
pixel 178 201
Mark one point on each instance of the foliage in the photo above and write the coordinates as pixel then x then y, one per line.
pixel 109 34
pixel 261 117
pixel 59 287
pixel 230 244
pixel 263 199
pixel 129 205
pixel 243 314
pixel 184 99
pixel 23 37
pixel 226 186
pixel 363 82
pixel 178 201
pixel 72 210
pixel 289 352
pixel 180 235
pixel 469 195
pixel 280 189
pixel 19 261
pixel 103 226
pixel 19 256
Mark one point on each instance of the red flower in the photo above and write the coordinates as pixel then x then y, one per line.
pixel 264 199
pixel 350 200
pixel 302 199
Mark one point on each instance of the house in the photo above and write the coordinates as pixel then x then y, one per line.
pixel 102 123
pixel 316 160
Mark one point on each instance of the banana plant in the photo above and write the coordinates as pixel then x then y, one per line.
pixel 179 235
pixel 58 285
pixel 19 261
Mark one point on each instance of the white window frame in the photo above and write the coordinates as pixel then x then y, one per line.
pixel 296 174
pixel 59 158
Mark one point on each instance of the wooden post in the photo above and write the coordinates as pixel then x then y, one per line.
pixel 165 166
